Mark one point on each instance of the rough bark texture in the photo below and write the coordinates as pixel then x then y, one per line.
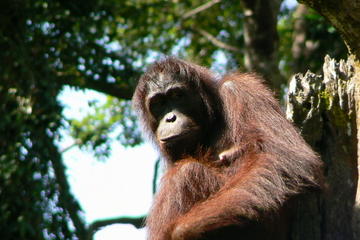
pixel 341 152
pixel 261 39
pixel 324 107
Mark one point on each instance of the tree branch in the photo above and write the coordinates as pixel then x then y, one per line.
pixel 344 16
pixel 75 143
pixel 205 34
pixel 156 175
pixel 123 91
pixel 216 42
pixel 200 9
pixel 137 222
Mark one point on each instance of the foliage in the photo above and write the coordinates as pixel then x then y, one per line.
pixel 326 38
pixel 30 195
pixel 42 45
pixel 321 38
pixel 96 131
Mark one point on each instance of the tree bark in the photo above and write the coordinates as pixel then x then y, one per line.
pixel 342 159
pixel 324 107
pixel 261 39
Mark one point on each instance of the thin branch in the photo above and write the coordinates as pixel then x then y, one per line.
pixel 200 9
pixel 137 222
pixel 75 143
pixel 156 175
pixel 217 42
pixel 205 34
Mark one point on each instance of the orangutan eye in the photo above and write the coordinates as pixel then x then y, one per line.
pixel 156 103
pixel 176 94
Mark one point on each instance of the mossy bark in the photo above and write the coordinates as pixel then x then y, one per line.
pixel 325 109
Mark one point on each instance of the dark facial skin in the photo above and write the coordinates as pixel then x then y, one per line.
pixel 179 112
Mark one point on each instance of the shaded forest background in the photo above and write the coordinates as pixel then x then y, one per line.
pixel 106 45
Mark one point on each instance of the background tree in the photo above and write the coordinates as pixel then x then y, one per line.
pixel 104 45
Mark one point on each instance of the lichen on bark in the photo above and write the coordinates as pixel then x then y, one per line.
pixel 324 108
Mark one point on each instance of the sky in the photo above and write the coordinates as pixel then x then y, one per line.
pixel 118 186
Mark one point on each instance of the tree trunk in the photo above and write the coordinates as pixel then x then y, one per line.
pixel 324 107
pixel 303 47
pixel 261 39
pixel 328 111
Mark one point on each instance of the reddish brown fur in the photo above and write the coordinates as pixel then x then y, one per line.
pixel 202 197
